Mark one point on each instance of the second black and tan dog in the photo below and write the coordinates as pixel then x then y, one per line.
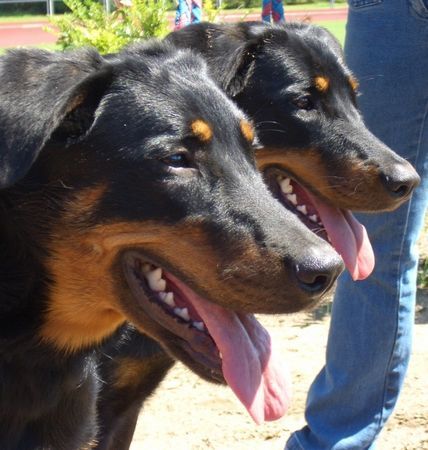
pixel 317 156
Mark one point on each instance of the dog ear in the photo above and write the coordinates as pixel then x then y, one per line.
pixel 237 74
pixel 77 111
pixel 42 94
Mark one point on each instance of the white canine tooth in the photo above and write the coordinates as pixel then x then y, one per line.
pixel 292 198
pixel 199 325
pixel 286 187
pixel 314 218
pixel 182 312
pixel 155 280
pixel 156 274
pixel 158 286
pixel 169 299
pixel 302 209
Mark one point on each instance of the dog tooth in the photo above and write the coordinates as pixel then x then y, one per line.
pixel 155 274
pixel 314 218
pixel 155 280
pixel 157 285
pixel 182 312
pixel 302 209
pixel 292 198
pixel 286 187
pixel 199 325
pixel 169 299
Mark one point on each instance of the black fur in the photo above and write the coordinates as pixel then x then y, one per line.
pixel 269 72
pixel 101 169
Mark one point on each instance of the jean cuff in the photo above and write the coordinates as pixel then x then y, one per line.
pixel 293 443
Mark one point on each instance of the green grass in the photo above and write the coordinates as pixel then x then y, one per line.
pixel 45 46
pixel 23 18
pixel 336 27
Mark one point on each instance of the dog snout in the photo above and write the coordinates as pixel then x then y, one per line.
pixel 316 273
pixel 400 180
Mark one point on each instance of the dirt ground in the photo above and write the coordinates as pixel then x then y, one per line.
pixel 187 413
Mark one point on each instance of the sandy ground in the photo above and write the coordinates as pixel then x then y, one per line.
pixel 187 413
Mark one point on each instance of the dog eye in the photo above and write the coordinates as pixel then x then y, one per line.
pixel 177 160
pixel 304 103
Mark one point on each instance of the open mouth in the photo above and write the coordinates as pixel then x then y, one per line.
pixel 234 347
pixel 297 200
pixel 338 226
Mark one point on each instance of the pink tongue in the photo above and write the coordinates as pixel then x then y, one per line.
pixel 349 238
pixel 256 376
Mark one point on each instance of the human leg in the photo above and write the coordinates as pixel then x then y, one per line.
pixel 371 326
pixel 196 11
pixel 266 10
pixel 277 11
pixel 182 14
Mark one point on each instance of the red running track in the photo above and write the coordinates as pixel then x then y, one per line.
pixel 33 33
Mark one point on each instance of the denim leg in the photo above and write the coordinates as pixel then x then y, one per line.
pixel 370 334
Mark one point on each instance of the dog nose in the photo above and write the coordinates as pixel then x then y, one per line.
pixel 316 275
pixel 400 180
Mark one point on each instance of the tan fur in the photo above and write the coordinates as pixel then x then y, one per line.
pixel 322 83
pixel 349 190
pixel 201 130
pixel 354 83
pixel 247 130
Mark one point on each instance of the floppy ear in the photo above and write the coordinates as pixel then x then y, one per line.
pixel 77 110
pixel 242 63
pixel 40 93
pixel 240 69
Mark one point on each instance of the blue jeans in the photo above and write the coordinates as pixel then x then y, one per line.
pixel 370 336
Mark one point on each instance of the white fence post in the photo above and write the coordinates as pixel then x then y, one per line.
pixel 50 8
pixel 107 6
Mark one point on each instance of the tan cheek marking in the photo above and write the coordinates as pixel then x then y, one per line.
pixel 247 130
pixel 84 300
pixel 354 83
pixel 322 83
pixel 201 130
pixel 350 188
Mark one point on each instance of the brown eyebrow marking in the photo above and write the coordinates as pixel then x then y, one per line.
pixel 322 83
pixel 247 130
pixel 201 130
pixel 353 82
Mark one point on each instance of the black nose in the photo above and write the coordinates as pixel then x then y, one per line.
pixel 400 180
pixel 316 275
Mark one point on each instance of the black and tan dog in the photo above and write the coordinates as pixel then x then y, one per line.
pixel 129 192
pixel 315 150
pixel 316 154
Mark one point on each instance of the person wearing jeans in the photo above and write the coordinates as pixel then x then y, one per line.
pixel 370 335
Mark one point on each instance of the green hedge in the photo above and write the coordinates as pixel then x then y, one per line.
pixel 87 24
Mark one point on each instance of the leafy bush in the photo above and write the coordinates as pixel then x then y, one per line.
pixel 88 24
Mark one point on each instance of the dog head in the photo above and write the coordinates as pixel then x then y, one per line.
pixel 316 153
pixel 131 183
